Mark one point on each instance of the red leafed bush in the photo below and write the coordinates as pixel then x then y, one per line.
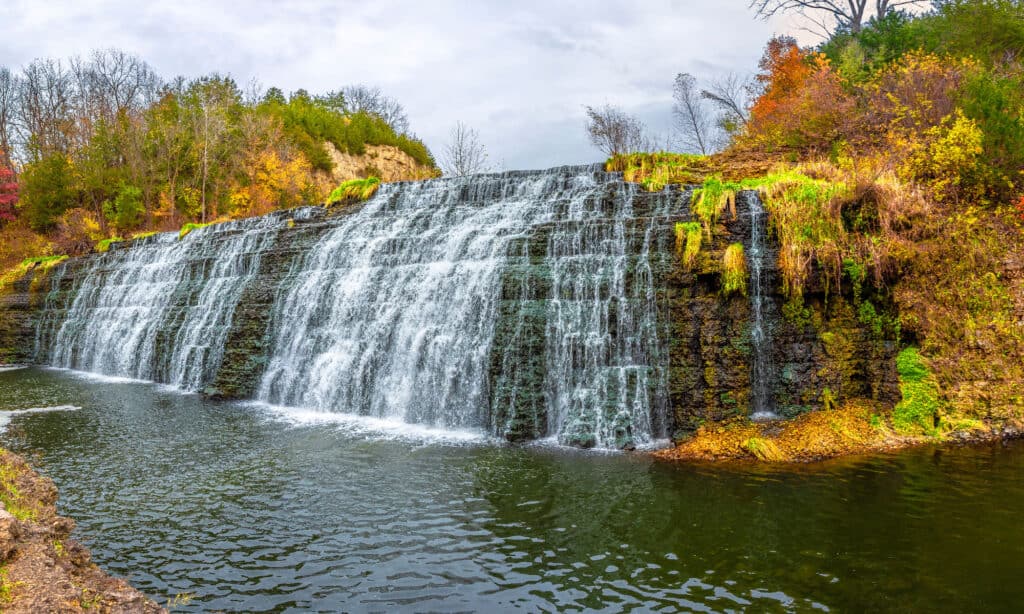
pixel 8 195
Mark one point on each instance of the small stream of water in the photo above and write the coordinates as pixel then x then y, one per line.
pixel 763 371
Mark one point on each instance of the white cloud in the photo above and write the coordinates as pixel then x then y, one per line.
pixel 519 73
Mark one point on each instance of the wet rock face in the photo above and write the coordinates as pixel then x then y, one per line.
pixel 820 352
pixel 678 345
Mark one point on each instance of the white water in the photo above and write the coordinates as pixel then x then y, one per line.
pixel 121 322
pixel 393 314
pixel 762 373
pixel 6 416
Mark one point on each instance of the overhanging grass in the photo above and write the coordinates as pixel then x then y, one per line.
pixel 41 263
pixel 734 271
pixel 187 228
pixel 688 240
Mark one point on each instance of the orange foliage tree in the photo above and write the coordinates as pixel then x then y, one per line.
pixel 803 102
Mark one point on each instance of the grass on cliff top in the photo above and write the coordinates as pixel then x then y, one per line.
pixel 354 190
pixel 104 245
pixel 187 228
pixel 656 170
pixel 38 263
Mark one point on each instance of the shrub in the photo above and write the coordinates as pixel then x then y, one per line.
pixel 126 210
pixel 77 231
pixel 947 156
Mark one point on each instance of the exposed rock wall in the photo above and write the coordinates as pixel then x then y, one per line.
pixel 385 161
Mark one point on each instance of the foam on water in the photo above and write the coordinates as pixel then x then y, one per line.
pixel 367 426
pixel 6 416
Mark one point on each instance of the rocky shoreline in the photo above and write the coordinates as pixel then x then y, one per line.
pixel 41 568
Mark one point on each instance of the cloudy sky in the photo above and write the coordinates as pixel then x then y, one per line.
pixel 519 72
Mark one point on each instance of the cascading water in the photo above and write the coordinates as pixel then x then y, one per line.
pixel 393 314
pixel 420 305
pixel 123 321
pixel 763 370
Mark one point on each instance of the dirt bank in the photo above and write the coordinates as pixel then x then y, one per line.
pixel 41 568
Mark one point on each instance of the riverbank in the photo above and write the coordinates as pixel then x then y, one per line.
pixel 41 568
pixel 856 428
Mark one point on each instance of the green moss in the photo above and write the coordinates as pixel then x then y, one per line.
pixel 187 228
pixel 104 245
pixel 918 412
pixel 143 235
pixel 763 449
pixel 354 189
pixel 734 271
pixel 11 496
pixel 795 312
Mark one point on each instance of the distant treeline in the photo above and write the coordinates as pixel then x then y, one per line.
pixel 104 145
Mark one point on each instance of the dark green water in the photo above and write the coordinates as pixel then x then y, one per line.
pixel 251 511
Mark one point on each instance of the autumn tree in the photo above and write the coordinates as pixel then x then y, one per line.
pixel 464 154
pixel 802 102
pixel 210 104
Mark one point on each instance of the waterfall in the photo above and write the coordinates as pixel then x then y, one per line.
pixel 160 310
pixel 487 302
pixel 761 376
pixel 393 314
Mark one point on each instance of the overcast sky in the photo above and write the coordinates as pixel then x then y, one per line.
pixel 519 72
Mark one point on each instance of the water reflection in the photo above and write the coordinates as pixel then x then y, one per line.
pixel 252 514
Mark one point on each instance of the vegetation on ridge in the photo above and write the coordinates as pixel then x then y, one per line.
pixel 109 148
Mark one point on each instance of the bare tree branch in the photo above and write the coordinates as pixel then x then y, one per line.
pixel 464 154
pixel 366 99
pixel 614 131
pixel 832 15
pixel 691 117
